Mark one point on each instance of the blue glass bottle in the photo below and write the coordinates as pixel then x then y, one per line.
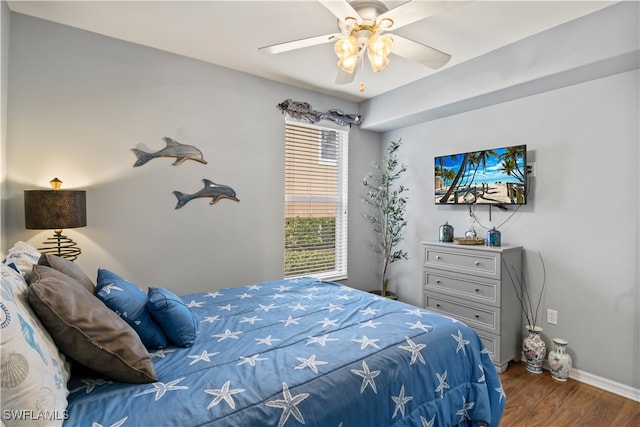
pixel 493 237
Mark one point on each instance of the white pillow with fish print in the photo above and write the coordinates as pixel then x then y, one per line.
pixel 34 372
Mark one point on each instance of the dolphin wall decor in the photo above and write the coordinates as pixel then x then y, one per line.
pixel 181 152
pixel 210 189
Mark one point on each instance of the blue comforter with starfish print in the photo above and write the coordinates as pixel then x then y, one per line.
pixel 305 352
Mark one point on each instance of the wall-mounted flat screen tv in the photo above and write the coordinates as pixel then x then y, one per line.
pixel 495 177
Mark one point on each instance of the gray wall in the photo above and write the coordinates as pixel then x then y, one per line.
pixel 4 83
pixel 78 104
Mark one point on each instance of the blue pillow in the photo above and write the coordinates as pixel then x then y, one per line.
pixel 130 303
pixel 176 319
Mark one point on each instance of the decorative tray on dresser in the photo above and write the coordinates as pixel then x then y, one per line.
pixel 472 284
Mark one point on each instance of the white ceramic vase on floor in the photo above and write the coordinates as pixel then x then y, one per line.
pixel 559 360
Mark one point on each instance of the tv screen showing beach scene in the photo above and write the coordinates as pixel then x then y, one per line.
pixel 497 177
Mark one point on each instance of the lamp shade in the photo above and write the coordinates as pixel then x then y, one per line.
pixel 55 209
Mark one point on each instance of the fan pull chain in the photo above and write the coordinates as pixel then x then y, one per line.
pixel 362 87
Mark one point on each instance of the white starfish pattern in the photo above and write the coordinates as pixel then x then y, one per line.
pixel 426 423
pixel 310 363
pixel 283 288
pixel 215 294
pixel 195 304
pixel 202 356
pixel 251 320
pixel 254 287
pixel 327 322
pixel 298 307
pixel 482 377
pixel 414 349
pixel 268 340
pixel 320 340
pixel 227 334
pixel 111 287
pixel 419 325
pixel 289 405
pixel 227 307
pixel 367 377
pixel 266 308
pixel 501 392
pixel 290 321
pixel 223 393
pixel 210 319
pixel 160 388
pixel 442 380
pixel 344 297
pixel 245 296
pixel 416 312
pixel 461 342
pixel 116 424
pixel 276 296
pixel 333 307
pixel 251 360
pixel 400 401
pixel 370 324
pixel 91 384
pixel 463 412
pixel 161 352
pixel 308 296
pixel 365 342
pixel 369 310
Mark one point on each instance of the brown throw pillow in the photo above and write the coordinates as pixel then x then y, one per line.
pixel 87 330
pixel 69 268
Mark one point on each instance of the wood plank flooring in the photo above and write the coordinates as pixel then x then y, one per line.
pixel 538 400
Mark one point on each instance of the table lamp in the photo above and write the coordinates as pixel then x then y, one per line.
pixel 55 210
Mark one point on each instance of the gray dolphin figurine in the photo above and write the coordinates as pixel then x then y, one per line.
pixel 210 189
pixel 181 152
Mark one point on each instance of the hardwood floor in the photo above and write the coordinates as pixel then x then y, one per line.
pixel 539 400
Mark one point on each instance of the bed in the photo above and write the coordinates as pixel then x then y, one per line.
pixel 300 352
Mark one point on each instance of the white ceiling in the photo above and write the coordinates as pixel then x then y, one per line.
pixel 229 33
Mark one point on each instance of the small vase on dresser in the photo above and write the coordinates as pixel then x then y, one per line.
pixel 534 349
pixel 559 360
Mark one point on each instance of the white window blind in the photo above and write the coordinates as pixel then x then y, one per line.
pixel 316 167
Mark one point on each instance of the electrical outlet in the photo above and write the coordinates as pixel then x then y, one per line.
pixel 531 169
pixel 552 317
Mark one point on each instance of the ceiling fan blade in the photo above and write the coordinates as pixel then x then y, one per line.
pixel 341 9
pixel 415 10
pixel 417 52
pixel 299 44
pixel 344 78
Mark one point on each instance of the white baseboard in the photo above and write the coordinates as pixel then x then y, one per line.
pixel 600 382
pixel 606 384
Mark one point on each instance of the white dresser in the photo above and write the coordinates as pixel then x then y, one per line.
pixel 472 284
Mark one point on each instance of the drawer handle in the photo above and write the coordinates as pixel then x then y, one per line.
pixel 477 263
pixel 477 290
pixel 477 316
pixel 438 257
pixel 438 281
pixel 438 305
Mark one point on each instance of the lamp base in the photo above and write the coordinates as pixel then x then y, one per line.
pixel 61 246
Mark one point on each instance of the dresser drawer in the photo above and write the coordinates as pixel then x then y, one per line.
pixel 477 316
pixel 463 286
pixel 467 261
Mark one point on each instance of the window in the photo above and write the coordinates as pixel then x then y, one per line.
pixel 315 206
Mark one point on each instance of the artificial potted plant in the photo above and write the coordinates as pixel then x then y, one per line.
pixel 388 203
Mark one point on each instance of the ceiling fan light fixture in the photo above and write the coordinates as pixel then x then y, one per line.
pixel 347 51
pixel 378 51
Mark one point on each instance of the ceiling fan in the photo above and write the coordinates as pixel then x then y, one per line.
pixel 362 25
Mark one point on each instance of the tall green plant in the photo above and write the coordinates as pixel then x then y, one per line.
pixel 388 202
